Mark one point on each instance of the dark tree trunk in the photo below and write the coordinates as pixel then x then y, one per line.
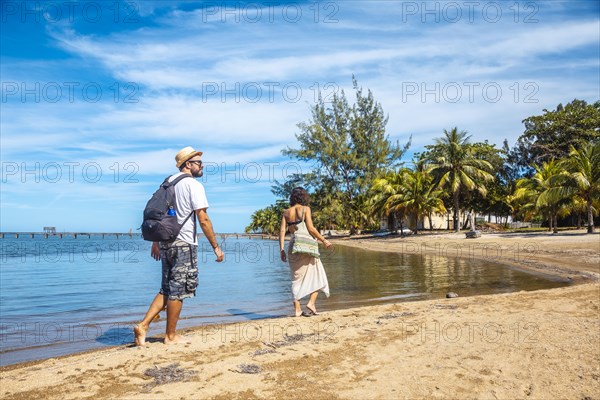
pixel 455 216
pixel 392 222
pixel 416 223
pixel 590 217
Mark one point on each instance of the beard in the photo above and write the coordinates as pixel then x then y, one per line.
pixel 197 174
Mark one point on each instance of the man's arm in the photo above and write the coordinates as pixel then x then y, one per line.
pixel 207 229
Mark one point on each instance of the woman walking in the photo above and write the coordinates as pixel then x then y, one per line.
pixel 308 275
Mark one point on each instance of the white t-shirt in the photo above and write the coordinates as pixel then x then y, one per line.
pixel 189 196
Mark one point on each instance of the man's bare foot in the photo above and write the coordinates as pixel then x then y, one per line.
pixel 139 332
pixel 298 313
pixel 178 339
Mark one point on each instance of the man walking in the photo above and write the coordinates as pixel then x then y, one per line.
pixel 180 257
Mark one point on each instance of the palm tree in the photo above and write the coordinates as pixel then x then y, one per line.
pixel 328 210
pixel 544 191
pixel 384 191
pixel 583 166
pixel 406 191
pixel 267 220
pixel 452 159
pixel 515 205
pixel 419 196
pixel 578 207
pixel 256 221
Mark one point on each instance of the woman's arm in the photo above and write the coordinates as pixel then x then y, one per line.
pixel 311 228
pixel 282 230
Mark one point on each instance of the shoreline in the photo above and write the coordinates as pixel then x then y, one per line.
pixel 412 245
pixel 505 248
pixel 562 323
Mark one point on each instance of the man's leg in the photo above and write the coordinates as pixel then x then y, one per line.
pixel 140 329
pixel 184 280
pixel 173 311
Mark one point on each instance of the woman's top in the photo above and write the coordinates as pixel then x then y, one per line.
pixel 294 223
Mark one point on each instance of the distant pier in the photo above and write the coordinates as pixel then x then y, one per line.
pixel 118 235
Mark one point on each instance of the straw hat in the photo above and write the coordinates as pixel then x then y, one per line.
pixel 185 154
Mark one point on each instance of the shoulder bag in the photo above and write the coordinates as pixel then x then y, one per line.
pixel 304 243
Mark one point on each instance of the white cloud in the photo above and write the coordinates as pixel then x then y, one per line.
pixel 160 61
pixel 176 57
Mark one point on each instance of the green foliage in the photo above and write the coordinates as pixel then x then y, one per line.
pixel 350 148
pixel 583 167
pixel 544 192
pixel 459 165
pixel 284 190
pixel 406 192
pixel 267 220
pixel 384 197
pixel 551 135
pixel 494 202
pixel 560 187
pixel 553 170
pixel 420 196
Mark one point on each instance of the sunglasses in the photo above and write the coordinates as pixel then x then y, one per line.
pixel 198 162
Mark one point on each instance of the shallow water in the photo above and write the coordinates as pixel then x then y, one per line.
pixel 59 296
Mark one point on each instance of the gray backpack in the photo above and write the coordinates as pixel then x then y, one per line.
pixel 158 225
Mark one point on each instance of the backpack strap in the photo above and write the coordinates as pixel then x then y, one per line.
pixel 175 182
pixel 185 220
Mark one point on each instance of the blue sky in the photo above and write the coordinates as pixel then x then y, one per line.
pixel 98 96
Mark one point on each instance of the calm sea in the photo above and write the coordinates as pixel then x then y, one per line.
pixel 59 296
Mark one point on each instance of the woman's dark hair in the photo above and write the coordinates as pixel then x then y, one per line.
pixel 299 196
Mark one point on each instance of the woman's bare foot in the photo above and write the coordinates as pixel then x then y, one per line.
pixel 312 309
pixel 139 332
pixel 177 339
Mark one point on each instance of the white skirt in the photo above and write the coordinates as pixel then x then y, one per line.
pixel 308 274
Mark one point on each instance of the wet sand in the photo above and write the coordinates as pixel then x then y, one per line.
pixel 540 344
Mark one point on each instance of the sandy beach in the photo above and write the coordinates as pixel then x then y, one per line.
pixel 541 344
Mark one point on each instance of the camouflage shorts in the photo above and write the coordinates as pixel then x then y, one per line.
pixel 179 270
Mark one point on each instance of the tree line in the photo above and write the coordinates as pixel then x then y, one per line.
pixel 551 172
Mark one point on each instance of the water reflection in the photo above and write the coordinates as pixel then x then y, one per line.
pixel 367 277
